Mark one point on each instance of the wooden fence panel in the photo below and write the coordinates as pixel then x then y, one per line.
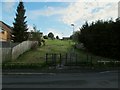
pixel 10 53
pixel 21 48
pixel 6 54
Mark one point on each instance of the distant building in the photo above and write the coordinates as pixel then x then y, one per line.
pixel 65 38
pixel 33 34
pixel 118 19
pixel 5 32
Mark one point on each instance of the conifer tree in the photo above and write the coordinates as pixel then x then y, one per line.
pixel 19 26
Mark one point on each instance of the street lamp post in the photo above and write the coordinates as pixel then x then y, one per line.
pixel 73 27
pixel 62 35
pixel 73 30
pixel 73 33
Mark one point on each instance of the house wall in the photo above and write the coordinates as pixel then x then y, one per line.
pixel 4 36
pixel 5 54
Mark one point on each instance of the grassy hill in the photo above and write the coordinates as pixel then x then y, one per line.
pixel 53 46
pixel 37 56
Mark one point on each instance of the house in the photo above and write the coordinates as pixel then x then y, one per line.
pixel 5 32
pixel 66 38
pixel 33 35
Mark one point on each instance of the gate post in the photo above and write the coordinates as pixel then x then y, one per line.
pixel 54 60
pixel 66 56
pixel 60 59
pixel 46 58
pixel 91 61
pixel 76 59
pixel 87 58
pixel 70 60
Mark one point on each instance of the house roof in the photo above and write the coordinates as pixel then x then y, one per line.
pixel 66 37
pixel 5 26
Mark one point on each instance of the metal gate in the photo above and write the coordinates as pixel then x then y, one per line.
pixel 58 59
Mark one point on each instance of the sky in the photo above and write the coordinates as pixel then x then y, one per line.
pixel 57 15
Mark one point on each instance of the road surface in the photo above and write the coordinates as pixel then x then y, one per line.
pixel 107 79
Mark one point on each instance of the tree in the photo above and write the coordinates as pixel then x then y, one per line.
pixel 36 35
pixel 19 26
pixel 57 37
pixel 102 38
pixel 75 36
pixel 45 37
pixel 51 35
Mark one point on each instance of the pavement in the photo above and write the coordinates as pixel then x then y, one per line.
pixel 102 79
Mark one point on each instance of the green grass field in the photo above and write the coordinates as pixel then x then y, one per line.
pixel 37 56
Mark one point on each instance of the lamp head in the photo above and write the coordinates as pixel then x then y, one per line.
pixel 72 24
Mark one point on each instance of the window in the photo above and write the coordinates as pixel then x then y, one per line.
pixel 1 30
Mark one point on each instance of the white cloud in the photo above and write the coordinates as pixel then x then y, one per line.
pixel 75 12
pixel 49 11
pixel 30 28
pixel 83 11
pixel 80 11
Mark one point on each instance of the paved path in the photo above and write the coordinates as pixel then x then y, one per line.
pixel 107 79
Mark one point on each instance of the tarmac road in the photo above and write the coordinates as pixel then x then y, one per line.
pixel 107 79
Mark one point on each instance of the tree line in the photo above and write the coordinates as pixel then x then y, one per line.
pixel 101 38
